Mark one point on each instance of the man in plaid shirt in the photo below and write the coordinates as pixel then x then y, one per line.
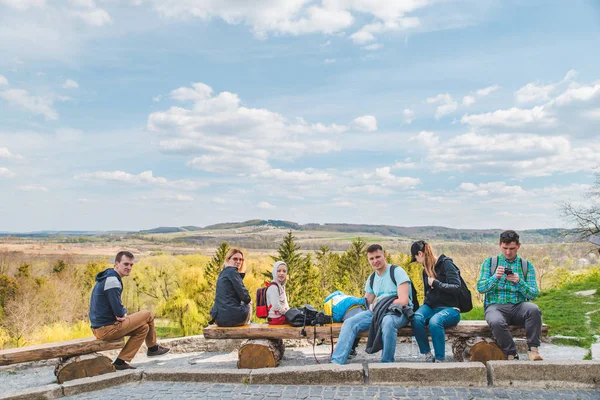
pixel 507 298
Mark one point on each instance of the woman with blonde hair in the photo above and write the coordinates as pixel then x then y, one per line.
pixel 277 303
pixel 232 302
pixel 441 280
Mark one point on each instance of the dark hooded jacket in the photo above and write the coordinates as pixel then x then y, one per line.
pixel 105 304
pixel 446 286
pixel 231 299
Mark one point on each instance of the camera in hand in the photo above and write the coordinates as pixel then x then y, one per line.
pixel 508 271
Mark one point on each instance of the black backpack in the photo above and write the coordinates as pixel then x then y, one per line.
pixel 465 302
pixel 306 316
pixel 415 299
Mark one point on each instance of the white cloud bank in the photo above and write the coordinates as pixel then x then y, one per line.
pixel 144 178
pixel 36 104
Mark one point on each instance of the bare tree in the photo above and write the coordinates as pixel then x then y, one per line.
pixel 585 219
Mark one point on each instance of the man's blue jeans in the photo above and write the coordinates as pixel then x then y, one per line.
pixel 362 322
pixel 439 318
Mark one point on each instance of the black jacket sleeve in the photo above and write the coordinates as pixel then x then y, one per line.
pixel 453 280
pixel 238 286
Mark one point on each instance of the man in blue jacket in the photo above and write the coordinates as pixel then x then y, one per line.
pixel 109 318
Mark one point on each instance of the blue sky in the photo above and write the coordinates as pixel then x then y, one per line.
pixel 132 114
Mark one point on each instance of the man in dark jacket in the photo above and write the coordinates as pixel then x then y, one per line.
pixel 109 318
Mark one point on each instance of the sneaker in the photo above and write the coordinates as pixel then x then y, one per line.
pixel 123 367
pixel 158 352
pixel 513 357
pixel 427 357
pixel 534 355
pixel 440 361
pixel 352 354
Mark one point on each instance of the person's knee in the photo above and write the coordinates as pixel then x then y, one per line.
pixel 436 322
pixel 387 323
pixel 418 320
pixel 496 321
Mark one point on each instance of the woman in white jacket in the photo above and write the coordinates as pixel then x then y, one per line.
pixel 277 303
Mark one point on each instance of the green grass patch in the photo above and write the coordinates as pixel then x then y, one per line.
pixel 475 314
pixel 166 331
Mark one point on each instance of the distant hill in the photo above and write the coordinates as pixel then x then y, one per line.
pixel 406 232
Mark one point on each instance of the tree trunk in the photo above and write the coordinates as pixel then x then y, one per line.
pixel 260 353
pixel 483 349
pixel 82 366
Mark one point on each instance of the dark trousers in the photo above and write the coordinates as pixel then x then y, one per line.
pixel 499 316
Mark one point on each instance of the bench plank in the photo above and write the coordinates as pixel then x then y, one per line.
pixel 265 331
pixel 67 348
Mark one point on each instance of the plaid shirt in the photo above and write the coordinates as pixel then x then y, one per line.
pixel 503 291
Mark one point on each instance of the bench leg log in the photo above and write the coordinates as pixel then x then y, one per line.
pixel 83 366
pixel 260 353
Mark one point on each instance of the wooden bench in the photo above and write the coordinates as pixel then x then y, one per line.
pixel 470 340
pixel 78 358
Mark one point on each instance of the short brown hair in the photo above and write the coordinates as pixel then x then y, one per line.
pixel 509 237
pixel 120 255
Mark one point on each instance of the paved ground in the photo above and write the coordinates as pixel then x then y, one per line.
pixel 22 376
pixel 180 391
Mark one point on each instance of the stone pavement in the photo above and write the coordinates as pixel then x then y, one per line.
pixel 187 390
pixel 21 376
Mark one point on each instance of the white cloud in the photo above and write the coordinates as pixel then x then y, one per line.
pixel 512 118
pixel 6 154
pixel 534 93
pixel 3 81
pixel 87 11
pixel 409 116
pixel 386 178
pixel 405 164
pixel 447 104
pixel 577 92
pixel 487 90
pixel 156 99
pixel 492 188
pixel 218 200
pixel 308 175
pixel 176 197
pixel 35 104
pixel 592 114
pixel 429 139
pixel 144 178
pixel 373 47
pixel 226 137
pixel 6 173
pixel 299 17
pixel 369 190
pixel 329 60
pixel 70 84
pixel 23 5
pixel 33 188
pixel 265 205
pixel 468 101
pixel 366 123
pixel 523 155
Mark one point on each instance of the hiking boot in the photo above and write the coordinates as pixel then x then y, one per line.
pixel 427 357
pixel 512 357
pixel 158 352
pixel 534 355
pixel 123 367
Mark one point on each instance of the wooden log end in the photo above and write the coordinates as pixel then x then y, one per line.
pixel 263 353
pixel 83 366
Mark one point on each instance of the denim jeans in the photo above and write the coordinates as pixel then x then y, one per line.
pixel 362 322
pixel 439 318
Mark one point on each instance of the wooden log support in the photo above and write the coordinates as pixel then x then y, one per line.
pixel 83 366
pixel 459 344
pixel 67 348
pixel 260 353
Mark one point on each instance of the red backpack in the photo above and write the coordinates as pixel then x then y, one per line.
pixel 262 310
